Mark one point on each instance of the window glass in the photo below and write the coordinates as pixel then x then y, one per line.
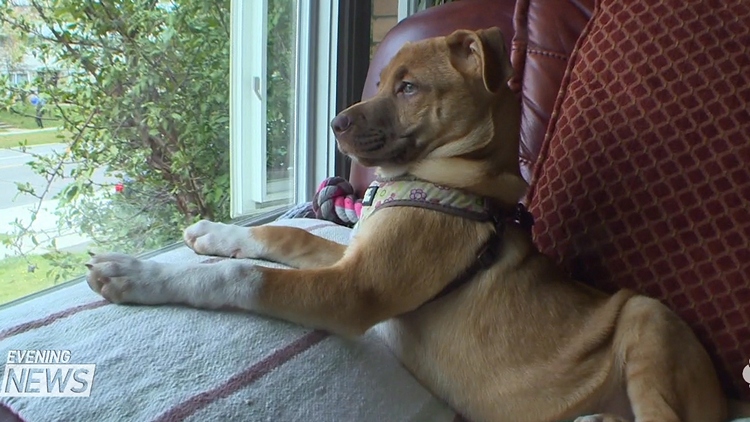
pixel 115 127
pixel 265 75
pixel 280 91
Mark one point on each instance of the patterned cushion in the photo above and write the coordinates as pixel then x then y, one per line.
pixel 644 178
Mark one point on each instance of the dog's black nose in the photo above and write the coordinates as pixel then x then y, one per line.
pixel 341 123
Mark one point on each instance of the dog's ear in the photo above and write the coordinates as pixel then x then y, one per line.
pixel 481 51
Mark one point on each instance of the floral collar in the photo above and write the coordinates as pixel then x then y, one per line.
pixel 413 192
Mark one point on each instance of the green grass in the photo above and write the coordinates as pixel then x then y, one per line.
pixel 16 281
pixel 33 138
pixel 25 120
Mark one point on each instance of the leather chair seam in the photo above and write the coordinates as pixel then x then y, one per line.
pixel 547 53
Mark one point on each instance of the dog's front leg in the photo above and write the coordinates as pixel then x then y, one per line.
pixel 379 276
pixel 341 299
pixel 291 246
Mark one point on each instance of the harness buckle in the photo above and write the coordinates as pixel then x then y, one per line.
pixel 489 252
pixel 524 217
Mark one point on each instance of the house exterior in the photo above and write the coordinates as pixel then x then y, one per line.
pixel 18 65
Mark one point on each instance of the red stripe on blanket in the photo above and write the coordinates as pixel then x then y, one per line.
pixel 9 415
pixel 49 319
pixel 242 379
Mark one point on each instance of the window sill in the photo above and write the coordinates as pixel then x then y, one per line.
pixel 173 362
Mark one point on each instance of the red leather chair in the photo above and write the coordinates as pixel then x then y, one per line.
pixel 670 77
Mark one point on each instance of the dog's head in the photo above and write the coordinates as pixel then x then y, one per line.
pixel 443 112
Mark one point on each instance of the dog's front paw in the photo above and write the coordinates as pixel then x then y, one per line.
pixel 121 278
pixel 219 239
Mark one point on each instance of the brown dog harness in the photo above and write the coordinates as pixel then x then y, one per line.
pixel 489 252
pixel 413 192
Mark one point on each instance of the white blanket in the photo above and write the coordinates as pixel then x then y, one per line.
pixel 174 363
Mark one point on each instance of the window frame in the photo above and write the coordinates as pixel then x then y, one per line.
pixel 354 42
pixel 248 75
pixel 407 8
pixel 315 91
pixel 314 146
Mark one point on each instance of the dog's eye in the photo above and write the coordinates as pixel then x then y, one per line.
pixel 407 88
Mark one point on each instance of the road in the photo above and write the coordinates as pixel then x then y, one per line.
pixel 13 169
pixel 14 206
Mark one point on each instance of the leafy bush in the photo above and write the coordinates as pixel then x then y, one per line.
pixel 143 87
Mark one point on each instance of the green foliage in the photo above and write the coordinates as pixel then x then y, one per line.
pixel 22 277
pixel 21 116
pixel 281 65
pixel 29 139
pixel 142 91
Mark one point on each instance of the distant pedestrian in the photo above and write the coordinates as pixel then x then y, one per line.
pixel 40 113
pixel 38 103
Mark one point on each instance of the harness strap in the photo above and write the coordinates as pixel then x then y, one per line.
pixel 408 191
pixel 416 193
pixel 489 252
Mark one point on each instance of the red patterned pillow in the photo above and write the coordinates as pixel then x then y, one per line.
pixel 644 178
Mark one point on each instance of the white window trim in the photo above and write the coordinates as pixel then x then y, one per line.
pixel 406 8
pixel 316 144
pixel 315 88
pixel 242 72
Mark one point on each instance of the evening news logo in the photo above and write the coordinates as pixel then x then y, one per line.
pixel 45 373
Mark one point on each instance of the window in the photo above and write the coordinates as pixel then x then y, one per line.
pixel 409 7
pixel 19 78
pixel 142 117
pixel 283 79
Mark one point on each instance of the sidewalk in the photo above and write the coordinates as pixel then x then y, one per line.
pixel 26 131
pixel 46 221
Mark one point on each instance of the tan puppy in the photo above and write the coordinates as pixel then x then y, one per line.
pixel 519 341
